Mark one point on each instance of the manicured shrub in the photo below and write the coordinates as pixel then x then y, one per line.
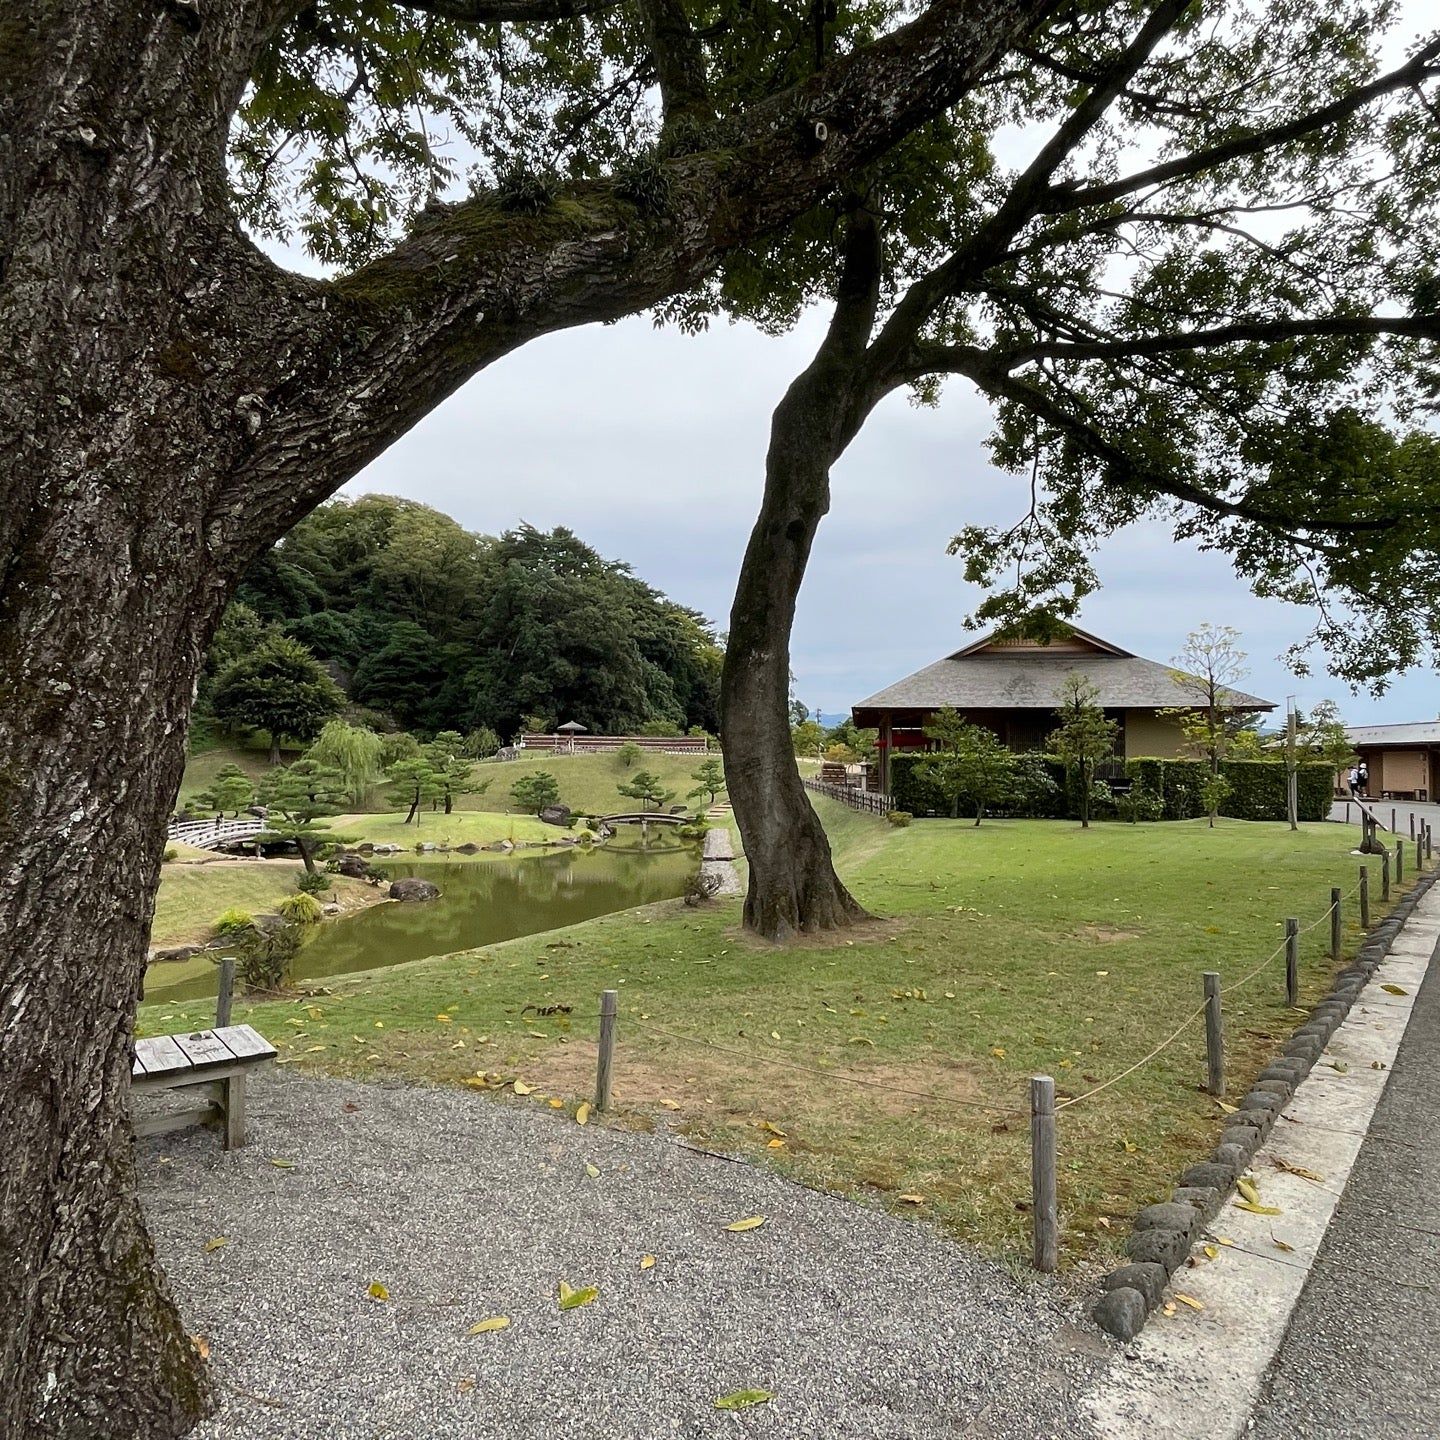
pixel 1256 788
pixel 899 818
pixel 309 884
pixel 1036 790
pixel 301 909
pixel 234 921
pixel 170 853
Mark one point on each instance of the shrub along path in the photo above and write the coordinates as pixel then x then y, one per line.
pixel 336 1266
pixel 1008 950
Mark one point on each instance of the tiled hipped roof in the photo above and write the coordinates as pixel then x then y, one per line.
pixel 980 678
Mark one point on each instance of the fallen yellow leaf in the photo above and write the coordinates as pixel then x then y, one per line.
pixel 202 1346
pixel 774 1144
pixel 582 1113
pixel 1258 1209
pixel 1248 1189
pixel 1189 1300
pixel 1394 989
pixel 647 1262
pixel 911 1199
pixel 670 1104
pixel 1212 1252
pixel 743 1399
pixel 486 1327
pixel 521 1088
pixel 753 1222
pixel 774 1129
pixel 377 1291
pixel 572 1299
pixel 282 1164
pixel 1280 1244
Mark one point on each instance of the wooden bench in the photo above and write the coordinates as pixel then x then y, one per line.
pixel 214 1060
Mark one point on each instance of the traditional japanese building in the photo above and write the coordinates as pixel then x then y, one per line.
pixel 1402 762
pixel 1012 685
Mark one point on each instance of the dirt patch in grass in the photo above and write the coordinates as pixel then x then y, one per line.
pixel 1104 934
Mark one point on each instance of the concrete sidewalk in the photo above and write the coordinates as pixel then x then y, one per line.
pixel 1361 1357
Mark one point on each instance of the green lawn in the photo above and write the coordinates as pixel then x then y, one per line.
pixel 1012 949
pixel 192 896
pixel 587 782
pixel 473 827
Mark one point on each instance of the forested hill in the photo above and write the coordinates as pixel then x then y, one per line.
pixel 439 629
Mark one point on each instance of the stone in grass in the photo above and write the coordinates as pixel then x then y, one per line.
pixel 1120 1313
pixel 1167 1216
pixel 1167 1248
pixel 1204 1198
pixel 1149 1280
pixel 1208 1176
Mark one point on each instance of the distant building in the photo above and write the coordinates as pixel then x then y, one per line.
pixel 1402 761
pixel 1012 685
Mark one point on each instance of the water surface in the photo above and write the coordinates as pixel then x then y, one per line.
pixel 481 901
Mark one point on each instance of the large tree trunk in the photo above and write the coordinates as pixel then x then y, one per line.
pixel 793 886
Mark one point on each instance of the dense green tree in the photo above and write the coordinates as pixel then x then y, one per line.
pixel 1324 735
pixel 536 791
pixel 454 772
pixel 646 787
pixel 280 688
pixel 298 798
pixel 231 790
pixel 481 743
pixel 969 762
pixel 711 778
pixel 629 755
pixel 413 783
pixel 353 751
pixel 807 739
pixel 1084 739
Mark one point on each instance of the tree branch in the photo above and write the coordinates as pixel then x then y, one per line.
pixel 679 60
pixel 1424 327
pixel 1064 198
pixel 515 12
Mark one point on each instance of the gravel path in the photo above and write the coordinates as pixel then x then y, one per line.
pixel 1360 1358
pixel 862 1324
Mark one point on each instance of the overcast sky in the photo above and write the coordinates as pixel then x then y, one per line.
pixel 650 445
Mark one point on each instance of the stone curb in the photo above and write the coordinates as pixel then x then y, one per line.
pixel 1161 1235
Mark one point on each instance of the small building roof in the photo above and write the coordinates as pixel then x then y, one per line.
pixel 1419 732
pixel 1001 672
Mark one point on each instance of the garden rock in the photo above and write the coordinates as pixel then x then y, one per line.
pixel 556 814
pixel 352 865
pixel 414 889
pixel 1149 1280
pixel 1166 1248
pixel 1121 1313
pixel 175 953
pixel 1168 1216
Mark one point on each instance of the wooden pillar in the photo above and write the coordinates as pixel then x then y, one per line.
pixel 1214 1035
pixel 1292 962
pixel 605 1062
pixel 1044 1207
pixel 1335 920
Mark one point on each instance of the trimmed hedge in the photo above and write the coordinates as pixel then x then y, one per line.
pixel 1038 791
pixel 1257 788
pixel 1043 790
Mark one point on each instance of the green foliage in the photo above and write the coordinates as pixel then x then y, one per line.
pixel 234 922
pixel 481 743
pixel 264 956
pixel 898 818
pixel 645 786
pixel 1324 735
pixel 230 791
pixel 864 744
pixel 298 798
pixel 629 755
pixel 278 687
pixel 1256 788
pixel 413 783
pixel 444 630
pixel 454 773
pixel 535 792
pixel 309 883
pixel 303 908
pixel 1084 736
pixel 711 780
pixel 807 739
pixel 169 854
pixel 354 753
pixel 1036 789
pixel 969 762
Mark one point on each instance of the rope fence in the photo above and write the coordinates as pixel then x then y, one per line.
pixel 1043 1109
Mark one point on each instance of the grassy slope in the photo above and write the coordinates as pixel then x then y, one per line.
pixel 1013 949
pixel 587 782
pixel 434 828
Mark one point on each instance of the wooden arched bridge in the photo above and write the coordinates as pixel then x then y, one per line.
pixel 644 817
pixel 211 834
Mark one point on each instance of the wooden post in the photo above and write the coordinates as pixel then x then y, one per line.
pixel 226 992
pixel 1412 823
pixel 1429 842
pixel 1364 897
pixel 609 1003
pixel 1292 962
pixel 1385 874
pixel 1044 1210
pixel 1419 856
pixel 1399 860
pixel 1214 1035
pixel 1335 922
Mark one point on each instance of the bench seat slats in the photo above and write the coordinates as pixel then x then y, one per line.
pixel 204 1047
pixel 159 1055
pixel 246 1043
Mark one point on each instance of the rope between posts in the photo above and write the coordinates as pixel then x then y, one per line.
pixel 1246 979
pixel 750 1057
pixel 1115 1079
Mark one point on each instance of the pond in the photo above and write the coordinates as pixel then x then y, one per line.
pixel 481 901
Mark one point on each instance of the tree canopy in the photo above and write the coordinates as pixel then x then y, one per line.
pixel 444 630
